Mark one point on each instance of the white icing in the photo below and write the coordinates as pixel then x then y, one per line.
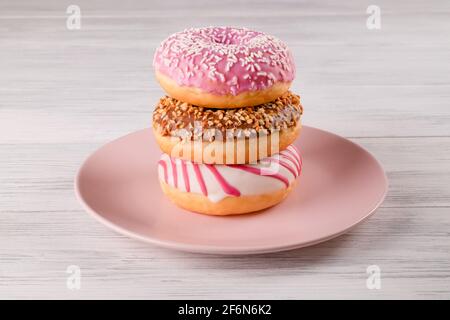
pixel 246 182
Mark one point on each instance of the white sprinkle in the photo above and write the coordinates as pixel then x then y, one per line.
pixel 243 62
pixel 271 76
pixel 250 67
pixel 233 81
pixel 221 76
pixel 211 76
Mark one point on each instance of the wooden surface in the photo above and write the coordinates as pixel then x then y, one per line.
pixel 63 93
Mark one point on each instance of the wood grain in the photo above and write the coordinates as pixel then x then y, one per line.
pixel 64 93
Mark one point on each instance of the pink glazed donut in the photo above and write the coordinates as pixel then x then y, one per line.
pixel 230 189
pixel 224 67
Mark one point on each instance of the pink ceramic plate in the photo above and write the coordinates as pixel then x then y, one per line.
pixel 341 185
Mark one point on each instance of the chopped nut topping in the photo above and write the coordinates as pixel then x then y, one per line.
pixel 175 118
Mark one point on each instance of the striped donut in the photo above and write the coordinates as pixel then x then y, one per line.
pixel 230 189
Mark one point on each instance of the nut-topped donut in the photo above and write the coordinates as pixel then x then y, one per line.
pixel 224 67
pixel 226 136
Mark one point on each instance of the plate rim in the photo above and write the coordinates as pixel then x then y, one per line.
pixel 223 250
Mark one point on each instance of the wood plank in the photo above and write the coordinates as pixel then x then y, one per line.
pixel 409 245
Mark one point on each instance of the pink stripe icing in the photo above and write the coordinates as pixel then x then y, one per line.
pixel 185 176
pixel 200 180
pixel 296 151
pixel 224 60
pixel 286 165
pixel 163 164
pixel 293 150
pixel 293 159
pixel 227 188
pixel 174 172
pixel 300 159
pixel 260 172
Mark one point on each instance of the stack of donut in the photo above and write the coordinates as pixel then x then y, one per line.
pixel 227 125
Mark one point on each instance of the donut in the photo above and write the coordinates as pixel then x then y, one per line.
pixel 229 189
pixel 223 67
pixel 226 136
